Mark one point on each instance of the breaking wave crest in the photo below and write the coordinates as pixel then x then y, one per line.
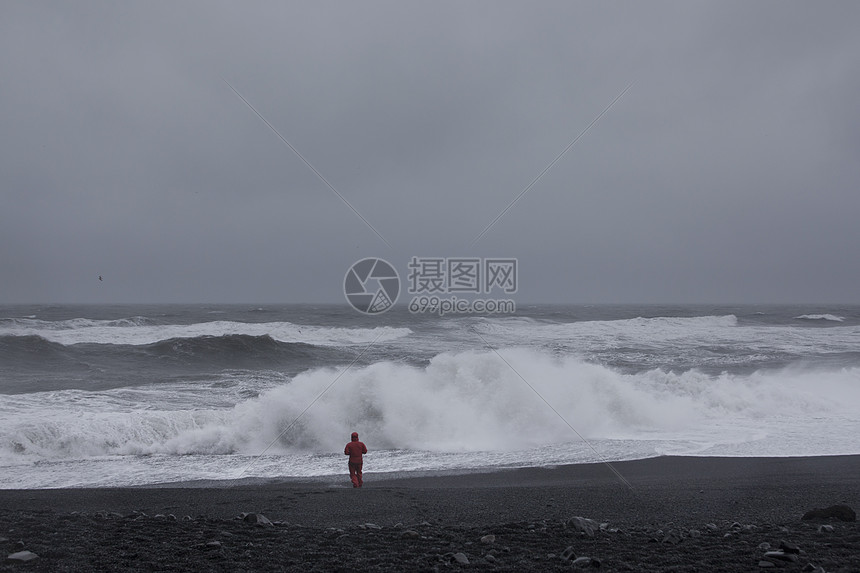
pixel 470 401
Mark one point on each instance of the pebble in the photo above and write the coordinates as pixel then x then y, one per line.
pixel 460 558
pixel 765 564
pixel 788 547
pixel 372 526
pixel 841 512
pixel 583 525
pixel 488 539
pixel 22 556
pixel 765 546
pixel 825 529
pixel 490 559
pixel 257 519
pixel 410 534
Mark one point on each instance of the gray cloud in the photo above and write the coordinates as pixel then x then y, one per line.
pixel 728 172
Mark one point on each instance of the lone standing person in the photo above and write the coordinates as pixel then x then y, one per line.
pixel 354 450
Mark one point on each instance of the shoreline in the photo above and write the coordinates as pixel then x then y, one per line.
pixel 528 510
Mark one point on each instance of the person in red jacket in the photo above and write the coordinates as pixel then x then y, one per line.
pixel 354 450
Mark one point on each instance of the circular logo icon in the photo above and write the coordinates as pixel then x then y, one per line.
pixel 371 285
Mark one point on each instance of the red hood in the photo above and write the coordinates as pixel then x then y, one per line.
pixel 355 436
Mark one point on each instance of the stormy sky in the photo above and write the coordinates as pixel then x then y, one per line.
pixel 727 172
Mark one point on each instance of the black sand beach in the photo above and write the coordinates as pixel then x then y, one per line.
pixel 680 514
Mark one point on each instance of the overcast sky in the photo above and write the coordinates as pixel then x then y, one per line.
pixel 728 172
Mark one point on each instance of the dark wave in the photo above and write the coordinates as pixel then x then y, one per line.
pixel 234 347
pixel 32 363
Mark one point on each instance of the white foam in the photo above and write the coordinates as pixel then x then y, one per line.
pixel 831 317
pixel 466 402
pixel 137 331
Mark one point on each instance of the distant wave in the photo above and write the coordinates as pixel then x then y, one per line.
pixel 228 351
pixel 831 317
pixel 143 331
pixel 471 401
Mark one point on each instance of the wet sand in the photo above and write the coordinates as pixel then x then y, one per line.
pixel 673 513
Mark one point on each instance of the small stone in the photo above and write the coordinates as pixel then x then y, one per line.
pixel 765 546
pixel 460 558
pixel 568 553
pixel 694 533
pixel 213 545
pixel 488 539
pixel 22 556
pixel 372 526
pixel 765 564
pixel 711 526
pixel 257 519
pixel 490 559
pixel 583 525
pixel 171 517
pixel 841 512
pixel 825 529
pixel 187 518
pixel 788 547
pixel 19 545
pixel 410 534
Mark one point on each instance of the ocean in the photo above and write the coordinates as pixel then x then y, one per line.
pixel 101 396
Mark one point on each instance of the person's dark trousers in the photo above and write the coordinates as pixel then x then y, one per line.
pixel 355 473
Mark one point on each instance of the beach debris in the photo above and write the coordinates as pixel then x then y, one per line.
pixel 841 512
pixel 22 556
pixel 568 553
pixel 586 562
pixel 788 547
pixel 672 537
pixel 488 539
pixel 257 519
pixel 410 534
pixel 825 529
pixel 583 525
pixel 780 556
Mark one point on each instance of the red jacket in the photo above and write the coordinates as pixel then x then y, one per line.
pixel 354 449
